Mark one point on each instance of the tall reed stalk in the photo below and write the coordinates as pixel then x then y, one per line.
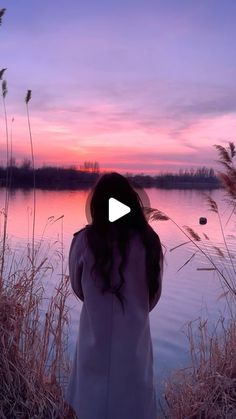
pixel 33 347
pixel 27 99
pixel 6 205
pixel 11 155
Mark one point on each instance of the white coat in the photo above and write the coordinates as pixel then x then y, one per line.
pixel 112 375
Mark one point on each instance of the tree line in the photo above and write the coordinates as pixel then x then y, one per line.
pixel 51 177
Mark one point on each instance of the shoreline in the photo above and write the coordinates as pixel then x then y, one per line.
pixel 82 187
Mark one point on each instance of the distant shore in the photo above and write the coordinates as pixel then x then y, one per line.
pixel 53 178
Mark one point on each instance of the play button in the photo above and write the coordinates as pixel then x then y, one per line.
pixel 101 206
pixel 116 209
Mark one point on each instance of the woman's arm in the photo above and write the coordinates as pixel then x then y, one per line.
pixel 156 297
pixel 76 265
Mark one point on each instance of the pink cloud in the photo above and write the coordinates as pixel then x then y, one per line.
pixel 102 132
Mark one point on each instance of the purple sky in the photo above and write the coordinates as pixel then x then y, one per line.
pixel 140 86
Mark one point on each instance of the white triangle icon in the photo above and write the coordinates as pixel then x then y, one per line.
pixel 116 209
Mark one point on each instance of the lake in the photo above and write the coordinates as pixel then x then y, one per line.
pixel 187 294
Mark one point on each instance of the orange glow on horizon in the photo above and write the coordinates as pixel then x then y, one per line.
pixel 126 146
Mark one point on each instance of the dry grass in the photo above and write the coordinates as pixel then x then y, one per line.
pixel 34 365
pixel 207 389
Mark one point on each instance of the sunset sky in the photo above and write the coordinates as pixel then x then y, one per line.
pixel 138 85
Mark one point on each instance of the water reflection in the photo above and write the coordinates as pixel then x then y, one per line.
pixel 187 294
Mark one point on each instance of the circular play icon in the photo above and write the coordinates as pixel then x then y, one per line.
pixel 116 209
pixel 114 202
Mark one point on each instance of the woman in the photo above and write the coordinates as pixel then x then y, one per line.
pixel 116 270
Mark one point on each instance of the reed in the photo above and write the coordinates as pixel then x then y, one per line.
pixel 207 389
pixel 27 99
pixel 6 204
pixel 226 274
pixel 34 361
pixel 2 12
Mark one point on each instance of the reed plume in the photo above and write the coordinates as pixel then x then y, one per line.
pixel 2 71
pixel 2 12
pixel 228 179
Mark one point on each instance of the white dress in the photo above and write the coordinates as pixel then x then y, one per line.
pixel 112 375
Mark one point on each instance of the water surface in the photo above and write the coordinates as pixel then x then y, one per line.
pixel 187 294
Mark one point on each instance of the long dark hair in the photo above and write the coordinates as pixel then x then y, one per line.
pixel 101 232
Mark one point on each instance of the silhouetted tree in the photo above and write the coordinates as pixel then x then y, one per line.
pixel 26 164
pixel 90 166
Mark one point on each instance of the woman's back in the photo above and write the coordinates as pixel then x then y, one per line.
pixel 114 350
pixel 115 269
pixel 135 287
